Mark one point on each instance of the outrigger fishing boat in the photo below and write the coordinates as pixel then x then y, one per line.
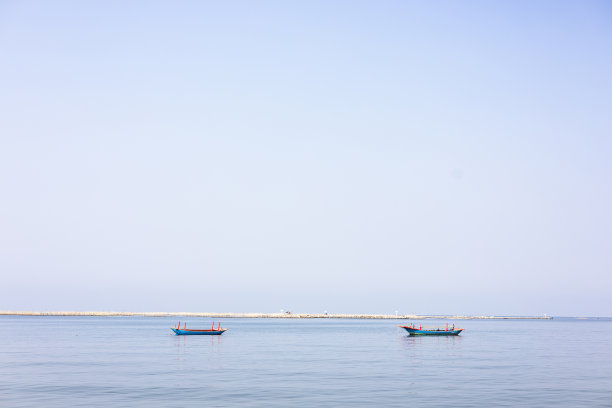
pixel 185 331
pixel 420 331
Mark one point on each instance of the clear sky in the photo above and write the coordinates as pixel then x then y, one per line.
pixel 340 156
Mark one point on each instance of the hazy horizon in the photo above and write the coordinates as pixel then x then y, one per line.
pixel 349 157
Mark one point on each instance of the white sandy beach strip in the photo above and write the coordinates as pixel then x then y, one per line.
pixel 260 315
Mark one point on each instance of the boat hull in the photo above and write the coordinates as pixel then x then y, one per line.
pixel 440 332
pixel 180 332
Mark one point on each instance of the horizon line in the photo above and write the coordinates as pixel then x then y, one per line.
pixel 286 315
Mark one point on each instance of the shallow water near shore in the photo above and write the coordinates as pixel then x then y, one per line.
pixel 138 361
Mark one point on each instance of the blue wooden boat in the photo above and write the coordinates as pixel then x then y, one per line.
pixel 209 332
pixel 186 332
pixel 420 331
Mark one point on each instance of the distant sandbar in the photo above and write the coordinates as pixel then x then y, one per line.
pixel 263 315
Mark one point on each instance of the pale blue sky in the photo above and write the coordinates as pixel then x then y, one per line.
pixel 348 156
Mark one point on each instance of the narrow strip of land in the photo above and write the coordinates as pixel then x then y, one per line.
pixel 262 315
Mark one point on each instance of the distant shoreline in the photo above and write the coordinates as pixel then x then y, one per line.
pixel 270 315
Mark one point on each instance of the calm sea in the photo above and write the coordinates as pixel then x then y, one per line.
pixel 138 362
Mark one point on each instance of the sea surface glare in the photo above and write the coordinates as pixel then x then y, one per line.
pixel 139 362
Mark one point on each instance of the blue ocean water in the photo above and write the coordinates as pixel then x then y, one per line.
pixel 138 362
